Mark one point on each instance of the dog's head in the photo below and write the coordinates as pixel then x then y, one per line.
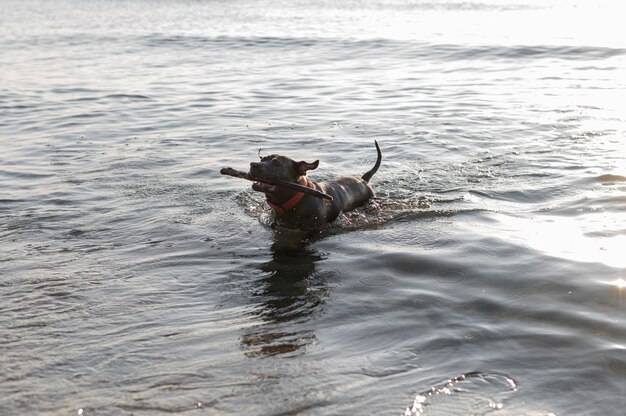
pixel 279 167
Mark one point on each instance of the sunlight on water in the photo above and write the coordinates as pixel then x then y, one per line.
pixel 568 238
pixel 538 22
pixel 619 283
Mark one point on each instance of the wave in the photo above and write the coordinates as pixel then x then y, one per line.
pixel 408 49
pixel 398 49
pixel 609 177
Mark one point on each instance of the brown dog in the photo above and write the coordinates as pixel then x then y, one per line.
pixel 305 211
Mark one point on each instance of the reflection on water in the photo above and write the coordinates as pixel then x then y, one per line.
pixel 286 298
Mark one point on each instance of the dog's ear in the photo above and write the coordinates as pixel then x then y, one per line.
pixel 303 166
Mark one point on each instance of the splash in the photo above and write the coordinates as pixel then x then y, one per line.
pixel 473 392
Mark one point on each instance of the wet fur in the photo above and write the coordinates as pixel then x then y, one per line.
pixel 311 213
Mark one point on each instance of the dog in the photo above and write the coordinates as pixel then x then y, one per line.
pixel 294 209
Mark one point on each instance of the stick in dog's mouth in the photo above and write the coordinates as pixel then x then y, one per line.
pixel 267 183
pixel 263 187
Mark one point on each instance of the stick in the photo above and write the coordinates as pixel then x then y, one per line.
pixel 277 182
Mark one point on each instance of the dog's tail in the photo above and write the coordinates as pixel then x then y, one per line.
pixel 372 171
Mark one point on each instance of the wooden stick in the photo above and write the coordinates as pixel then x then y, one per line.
pixel 277 182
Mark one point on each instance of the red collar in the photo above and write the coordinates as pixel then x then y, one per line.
pixel 291 202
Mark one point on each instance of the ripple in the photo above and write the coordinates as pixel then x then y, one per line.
pixel 376 281
pixel 475 393
pixel 609 178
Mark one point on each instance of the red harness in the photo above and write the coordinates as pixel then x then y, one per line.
pixel 291 202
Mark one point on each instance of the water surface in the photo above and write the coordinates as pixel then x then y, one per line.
pixel 488 276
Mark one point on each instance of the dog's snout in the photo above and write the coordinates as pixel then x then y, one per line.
pixel 255 167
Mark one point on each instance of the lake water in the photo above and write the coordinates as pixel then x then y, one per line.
pixel 488 276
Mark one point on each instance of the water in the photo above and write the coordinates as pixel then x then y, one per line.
pixel 487 277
